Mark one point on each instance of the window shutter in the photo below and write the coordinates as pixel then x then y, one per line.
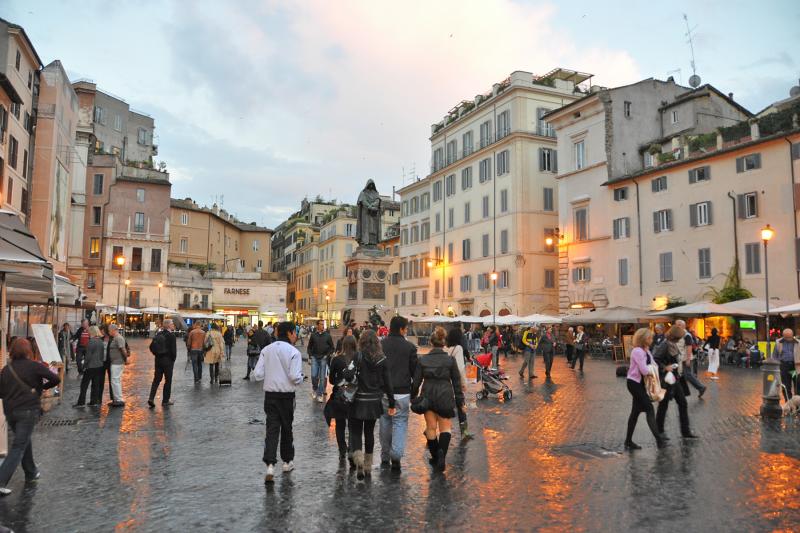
pixel 656 225
pixel 692 176
pixel 654 185
pixel 669 219
pixel 539 114
pixel 627 227
pixel 797 252
pixel 693 215
pixel 710 215
pixel 740 205
pixel 541 158
pixel 708 172
pixel 796 151
pixel 757 160
pixel 575 275
pixel 554 159
pixel 755 201
pixel 739 165
pixel 588 273
pixel 616 228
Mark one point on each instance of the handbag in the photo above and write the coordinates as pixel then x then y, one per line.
pixel 653 385
pixel 346 390
pixel 208 344
pixel 420 405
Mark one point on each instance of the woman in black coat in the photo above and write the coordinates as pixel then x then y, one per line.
pixel 668 357
pixel 342 371
pixel 438 375
pixel 373 383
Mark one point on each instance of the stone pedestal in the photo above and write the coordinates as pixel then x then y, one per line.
pixel 367 280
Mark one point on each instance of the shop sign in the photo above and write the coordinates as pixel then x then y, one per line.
pixel 236 291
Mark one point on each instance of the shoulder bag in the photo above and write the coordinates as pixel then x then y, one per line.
pixel 346 389
pixel 24 385
pixel 652 384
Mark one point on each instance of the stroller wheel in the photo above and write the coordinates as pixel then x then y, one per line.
pixel 480 395
pixel 507 395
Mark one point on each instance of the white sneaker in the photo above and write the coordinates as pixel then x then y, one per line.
pixel 4 491
pixel 313 396
pixel 288 467
pixel 321 398
pixel 270 474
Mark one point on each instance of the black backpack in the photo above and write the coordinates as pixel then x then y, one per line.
pixel 158 346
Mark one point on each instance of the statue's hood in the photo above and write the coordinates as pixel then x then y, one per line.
pixel 371 185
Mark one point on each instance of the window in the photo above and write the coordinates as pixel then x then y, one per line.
pixel 450 252
pixel 414 234
pixel 486 133
pixel 438 222
pixel 549 279
pixel 452 148
pixel 23 200
pixel 674 117
pixel 626 109
pixel 620 194
pixel 622 228
pixel 97 215
pixel 552 234
pixel 116 251
pixel 659 184
pixel 752 253
pixel 140 195
pixel 502 279
pixel 133 298
pixel 450 185
pixel 100 115
pixel 425 204
pixel 184 219
pixel 437 191
pixel 405 208
pixel 699 174
pixel 256 245
pixel 485 206
pixel 704 263
pixel 24 163
pixel 622 271
pixel 543 128
pixel 438 159
pixel 503 163
pixel 136 259
pixel 204 301
pixel 503 124
pixel 466 213
pixel 450 285
pixel 579 149
pixel 665 266
pixel 117 122
pixel 187 300
pixel 504 201
pixel 451 217
pixel 466 178
pixel 662 220
pixel 465 283
pixel 17 60
pixel 466 143
pixel 649 160
pixel 155 260
pixel 748 205
pixel 10 195
pixel 396 300
pixel 138 222
pixel 97 185
pixel 13 151
pixel 504 241
pixel 94 247
pixel 700 214
pixel 184 246
pixel 424 296
pixel 548 160
pixel 413 297
pixel 485 170
pixel 483 282
pixel 547 196
pixel 91 283
pixel 581 224
pixel 485 245
pixel 414 206
pixel 748 162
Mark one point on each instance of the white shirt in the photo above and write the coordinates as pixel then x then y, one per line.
pixel 280 366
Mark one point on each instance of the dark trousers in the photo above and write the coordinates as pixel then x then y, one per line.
pixel 578 358
pixel 548 361
pixel 163 369
pixel 252 361
pixel 279 408
pixel 93 377
pixel 341 434
pixel 570 352
pixel 786 379
pixel 674 392
pixel 80 354
pixel 106 372
pixel 359 428
pixel 641 404
pixel 691 377
pixel 196 357
pixel 21 422
pixel 213 370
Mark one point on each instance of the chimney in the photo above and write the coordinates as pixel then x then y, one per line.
pixel 730 95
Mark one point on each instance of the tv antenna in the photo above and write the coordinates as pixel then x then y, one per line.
pixel 694 79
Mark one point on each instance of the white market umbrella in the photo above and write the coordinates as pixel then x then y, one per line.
pixel 703 309
pixel 537 318
pixel 610 315
pixel 758 305
pixel 159 311
pixel 469 319
pixel 786 309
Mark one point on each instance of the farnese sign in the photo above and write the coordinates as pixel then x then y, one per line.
pixel 239 292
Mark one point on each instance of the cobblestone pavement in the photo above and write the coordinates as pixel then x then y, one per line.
pixel 549 459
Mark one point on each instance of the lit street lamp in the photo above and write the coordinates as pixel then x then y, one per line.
pixel 766 235
pixel 493 277
pixel 160 284
pixel 120 262
pixel 771 390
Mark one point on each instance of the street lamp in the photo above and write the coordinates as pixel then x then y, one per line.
pixel 120 262
pixel 493 277
pixel 125 300
pixel 771 390
pixel 766 235
pixel 160 284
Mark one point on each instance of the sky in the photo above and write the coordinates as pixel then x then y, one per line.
pixel 260 103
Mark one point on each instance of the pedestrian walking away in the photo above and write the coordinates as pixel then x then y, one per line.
pixel 787 351
pixel 320 348
pixel 712 344
pixel 580 348
pixel 117 357
pixel 229 338
pixel 65 345
pixel 21 384
pixel 374 384
pixel 280 367
pixel 686 346
pixel 547 347
pixel 401 360
pixel 257 340
pixel 194 346
pixel 214 347
pixel 569 342
pixel 669 357
pixel 437 393
pixel 528 357
pixel 342 375
pixel 639 367
pixel 165 352
pixel 93 369
pixel 455 349
pixel 81 339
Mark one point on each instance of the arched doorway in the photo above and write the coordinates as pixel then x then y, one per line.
pixel 504 312
pixel 485 312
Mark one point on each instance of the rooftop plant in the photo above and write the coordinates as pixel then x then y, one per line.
pixel 704 140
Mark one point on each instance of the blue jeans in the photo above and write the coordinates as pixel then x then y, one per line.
pixel 394 429
pixel 319 373
pixel 228 351
pixel 196 356
pixel 21 422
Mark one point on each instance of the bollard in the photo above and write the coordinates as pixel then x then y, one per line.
pixel 771 396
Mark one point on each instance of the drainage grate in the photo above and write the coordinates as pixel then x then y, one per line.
pixel 586 451
pixel 59 422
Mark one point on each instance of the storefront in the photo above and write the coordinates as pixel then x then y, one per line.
pixel 247 298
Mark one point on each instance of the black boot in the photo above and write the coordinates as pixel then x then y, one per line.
pixel 433 447
pixel 444 444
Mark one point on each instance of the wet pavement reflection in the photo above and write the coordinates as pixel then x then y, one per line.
pixel 551 459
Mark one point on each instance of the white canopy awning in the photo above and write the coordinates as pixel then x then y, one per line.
pixel 786 309
pixel 701 309
pixel 159 311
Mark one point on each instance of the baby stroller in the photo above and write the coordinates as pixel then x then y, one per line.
pixel 492 381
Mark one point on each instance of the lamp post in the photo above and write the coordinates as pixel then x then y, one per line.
pixel 436 262
pixel 770 369
pixel 493 277
pixel 125 301
pixel 327 306
pixel 766 235
pixel 160 284
pixel 120 262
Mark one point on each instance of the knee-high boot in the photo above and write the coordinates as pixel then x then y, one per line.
pixel 433 447
pixel 444 444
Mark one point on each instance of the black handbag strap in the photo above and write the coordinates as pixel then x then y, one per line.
pixel 30 389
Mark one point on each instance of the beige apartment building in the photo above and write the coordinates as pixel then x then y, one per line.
pixel 488 204
pixel 19 76
pixel 666 213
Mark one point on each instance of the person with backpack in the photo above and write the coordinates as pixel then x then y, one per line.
pixel 81 339
pixel 343 378
pixel 164 349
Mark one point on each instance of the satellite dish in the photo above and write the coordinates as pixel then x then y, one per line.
pixel 694 81
pixel 794 91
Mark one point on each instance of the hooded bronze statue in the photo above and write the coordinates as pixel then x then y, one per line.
pixel 368 225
